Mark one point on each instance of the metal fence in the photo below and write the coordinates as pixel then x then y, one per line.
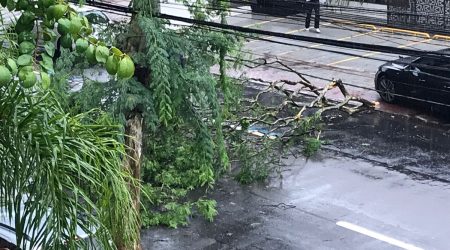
pixel 426 15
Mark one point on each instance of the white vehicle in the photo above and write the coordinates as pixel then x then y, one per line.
pixel 8 235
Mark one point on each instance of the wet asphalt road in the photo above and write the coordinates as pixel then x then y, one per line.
pixel 310 59
pixel 380 182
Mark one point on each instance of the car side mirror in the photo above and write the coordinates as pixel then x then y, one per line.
pixel 414 70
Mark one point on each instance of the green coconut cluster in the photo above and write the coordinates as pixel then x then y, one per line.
pixel 57 20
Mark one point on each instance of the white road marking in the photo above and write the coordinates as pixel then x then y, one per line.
pixel 377 236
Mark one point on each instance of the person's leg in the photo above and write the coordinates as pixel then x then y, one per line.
pixel 316 15
pixel 308 15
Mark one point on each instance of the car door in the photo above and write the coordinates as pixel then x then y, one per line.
pixel 418 75
pixel 406 78
pixel 437 80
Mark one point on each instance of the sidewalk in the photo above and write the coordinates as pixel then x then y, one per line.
pixel 358 12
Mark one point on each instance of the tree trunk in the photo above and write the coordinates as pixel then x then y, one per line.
pixel 134 126
pixel 132 163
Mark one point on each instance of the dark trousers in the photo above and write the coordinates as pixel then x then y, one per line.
pixel 310 6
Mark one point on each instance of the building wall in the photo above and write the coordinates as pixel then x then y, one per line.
pixel 428 15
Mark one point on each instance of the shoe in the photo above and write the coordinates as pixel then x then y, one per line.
pixel 317 30
pixel 306 29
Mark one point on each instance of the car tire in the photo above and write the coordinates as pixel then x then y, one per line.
pixel 386 89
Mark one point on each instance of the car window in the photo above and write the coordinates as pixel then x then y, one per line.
pixel 422 61
pixel 433 61
pixel 436 66
pixel 439 67
pixel 442 62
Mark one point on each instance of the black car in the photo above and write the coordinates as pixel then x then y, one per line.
pixel 416 78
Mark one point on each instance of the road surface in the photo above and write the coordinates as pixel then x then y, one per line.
pixel 316 59
pixel 382 182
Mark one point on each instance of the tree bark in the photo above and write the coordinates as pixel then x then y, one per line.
pixel 132 163
pixel 134 42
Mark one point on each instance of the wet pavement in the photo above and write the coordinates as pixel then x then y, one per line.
pixel 380 182
pixel 317 61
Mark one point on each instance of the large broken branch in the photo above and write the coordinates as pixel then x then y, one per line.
pixel 318 92
pixel 285 109
pixel 298 106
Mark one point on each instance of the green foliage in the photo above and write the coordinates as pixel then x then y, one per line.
pixel 184 145
pixel 263 135
pixel 187 150
pixel 175 214
pixel 255 158
pixel 207 208
pixel 38 20
pixel 71 165
pixel 311 146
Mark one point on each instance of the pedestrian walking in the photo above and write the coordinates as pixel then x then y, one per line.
pixel 310 6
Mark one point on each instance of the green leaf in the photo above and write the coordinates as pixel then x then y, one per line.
pixel 112 64
pixel 50 48
pixel 66 41
pixel 12 66
pixel 64 25
pixel 5 75
pixel 29 79
pixel 49 35
pixel 81 45
pixel 47 3
pixel 85 21
pixel 26 47
pixel 116 51
pixel 47 63
pixel 24 60
pixel 27 19
pixel 45 80
pixel 75 25
pixel 11 5
pixel 86 31
pixel 26 36
pixel 24 71
pixel 59 10
pixel 101 54
pixel 101 43
pixel 93 40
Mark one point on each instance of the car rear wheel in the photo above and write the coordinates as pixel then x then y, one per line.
pixel 386 89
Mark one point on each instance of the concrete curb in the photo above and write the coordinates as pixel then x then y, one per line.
pixel 424 35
